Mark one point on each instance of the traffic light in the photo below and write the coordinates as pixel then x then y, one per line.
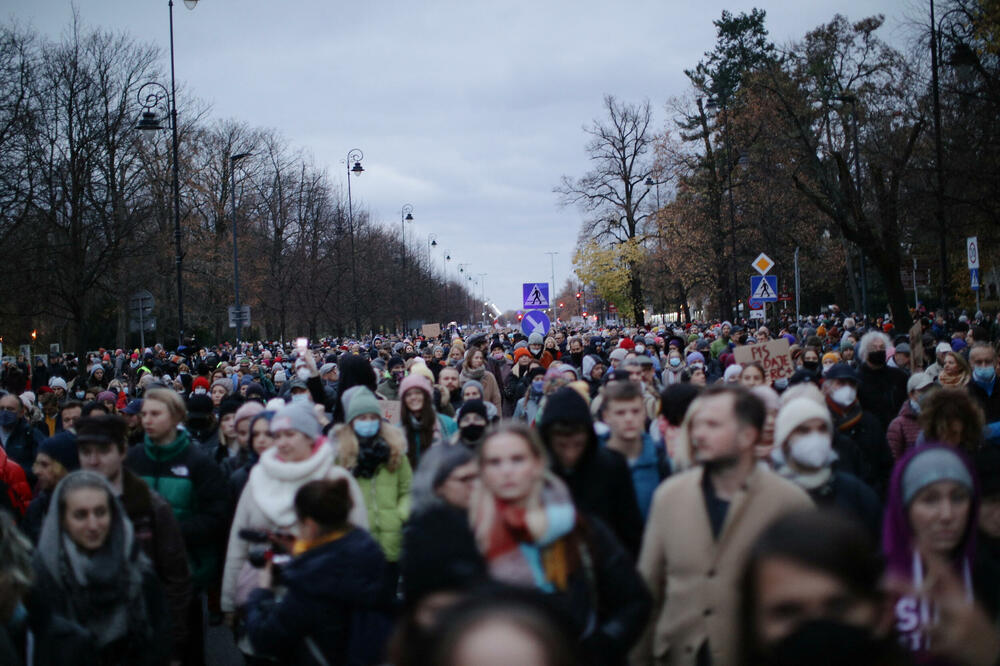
pixel 584 313
pixel 520 316
pixel 578 295
pixel 562 305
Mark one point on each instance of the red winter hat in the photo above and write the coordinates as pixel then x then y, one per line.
pixel 626 343
pixel 518 353
pixel 200 382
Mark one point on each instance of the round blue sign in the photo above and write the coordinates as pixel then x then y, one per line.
pixel 535 321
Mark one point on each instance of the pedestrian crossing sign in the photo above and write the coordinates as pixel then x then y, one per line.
pixel 764 288
pixel 536 295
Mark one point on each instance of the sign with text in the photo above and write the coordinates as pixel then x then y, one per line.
pixel 774 356
pixel 431 330
pixel 390 410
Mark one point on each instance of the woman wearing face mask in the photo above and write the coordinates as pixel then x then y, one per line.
pixel 905 428
pixel 811 593
pixel 536 347
pixel 456 354
pixel 423 426
pixel 90 571
pixel 375 453
pixel 473 419
pixel 532 536
pixel 473 390
pixel 928 539
pixel 673 368
pixel 527 405
pixel 475 368
pixel 300 454
pixel 803 437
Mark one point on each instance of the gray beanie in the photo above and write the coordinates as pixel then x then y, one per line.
pixel 280 376
pixel 296 416
pixel 930 466
pixel 535 339
pixel 477 384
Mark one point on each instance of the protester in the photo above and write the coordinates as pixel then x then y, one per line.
pixel 904 430
pixel 56 458
pixel 953 417
pixel 423 425
pixel 702 525
pixel 333 578
pixel 90 570
pixel 532 536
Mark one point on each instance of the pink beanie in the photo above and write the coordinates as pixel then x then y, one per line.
pixel 414 381
pixel 248 410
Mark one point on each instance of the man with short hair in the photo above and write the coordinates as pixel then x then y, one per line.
pixel 102 445
pixel 449 378
pixel 701 527
pixel 388 388
pixel 624 412
pixel 983 387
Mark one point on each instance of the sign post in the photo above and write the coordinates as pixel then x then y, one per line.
pixel 535 321
pixel 536 295
pixel 972 249
pixel 140 305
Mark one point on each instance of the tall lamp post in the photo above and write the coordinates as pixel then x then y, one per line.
pixel 405 215
pixel 355 156
pixel 233 159
pixel 150 121
pixel 482 285
pixel 552 265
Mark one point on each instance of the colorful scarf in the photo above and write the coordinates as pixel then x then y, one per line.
pixel 532 545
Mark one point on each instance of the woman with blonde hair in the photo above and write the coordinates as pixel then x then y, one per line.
pixel 955 372
pixel 532 536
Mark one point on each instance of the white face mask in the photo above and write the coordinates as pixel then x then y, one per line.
pixel 813 450
pixel 200 391
pixel 844 396
pixel 302 373
pixel 826 367
pixel 639 349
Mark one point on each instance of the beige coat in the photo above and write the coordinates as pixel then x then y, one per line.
pixel 693 577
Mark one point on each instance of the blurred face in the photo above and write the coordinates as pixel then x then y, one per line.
pixel 457 488
pixel 510 468
pixel 228 426
pixel 476 361
pixel 217 393
pixel 982 358
pixel 989 516
pixel 11 403
pixel 243 432
pixel 262 439
pixel 158 422
pixel 950 365
pixel 455 354
pixel 938 516
pixel 69 417
pixel 105 459
pixel 569 448
pixel 575 347
pixel 716 435
pixel 498 642
pixel 292 445
pixel 763 335
pixel 87 517
pixel 414 400
pixel 634 372
pixel 790 593
pixel 751 376
pixel 471 393
pixel 698 377
pixel 48 471
pixel 626 418
pixel 810 356
pixel 449 379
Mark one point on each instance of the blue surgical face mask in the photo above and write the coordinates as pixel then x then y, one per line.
pixel 675 362
pixel 915 406
pixel 537 385
pixel 367 428
pixel 984 375
pixel 7 419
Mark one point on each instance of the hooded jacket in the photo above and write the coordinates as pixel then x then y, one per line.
pixel 903 431
pixel 600 482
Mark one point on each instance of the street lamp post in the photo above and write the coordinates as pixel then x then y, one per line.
pixel 405 215
pixel 482 285
pixel 355 156
pixel 233 159
pixel 150 121
pixel 552 265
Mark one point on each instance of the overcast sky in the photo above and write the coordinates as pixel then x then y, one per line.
pixel 470 111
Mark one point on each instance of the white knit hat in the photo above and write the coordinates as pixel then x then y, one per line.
pixel 795 413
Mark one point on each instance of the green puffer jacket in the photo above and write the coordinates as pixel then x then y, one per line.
pixel 387 493
pixel 194 487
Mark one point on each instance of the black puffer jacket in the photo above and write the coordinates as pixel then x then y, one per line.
pixel 600 482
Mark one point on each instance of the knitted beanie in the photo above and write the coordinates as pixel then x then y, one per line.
pixel 796 412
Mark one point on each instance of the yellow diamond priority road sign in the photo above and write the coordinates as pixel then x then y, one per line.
pixel 763 264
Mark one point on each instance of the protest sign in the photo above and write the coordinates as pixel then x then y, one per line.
pixel 774 356
pixel 431 330
pixel 390 410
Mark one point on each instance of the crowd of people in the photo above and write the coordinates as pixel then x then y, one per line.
pixel 598 495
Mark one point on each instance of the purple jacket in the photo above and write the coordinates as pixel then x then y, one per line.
pixel 903 431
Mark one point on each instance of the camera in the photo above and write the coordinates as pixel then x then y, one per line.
pixel 266 547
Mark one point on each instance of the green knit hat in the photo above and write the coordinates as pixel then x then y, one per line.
pixel 362 402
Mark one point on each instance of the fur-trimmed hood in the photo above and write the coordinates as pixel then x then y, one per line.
pixel 347 444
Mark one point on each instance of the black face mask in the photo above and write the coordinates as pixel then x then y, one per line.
pixel 810 365
pixel 877 357
pixel 839 644
pixel 472 433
